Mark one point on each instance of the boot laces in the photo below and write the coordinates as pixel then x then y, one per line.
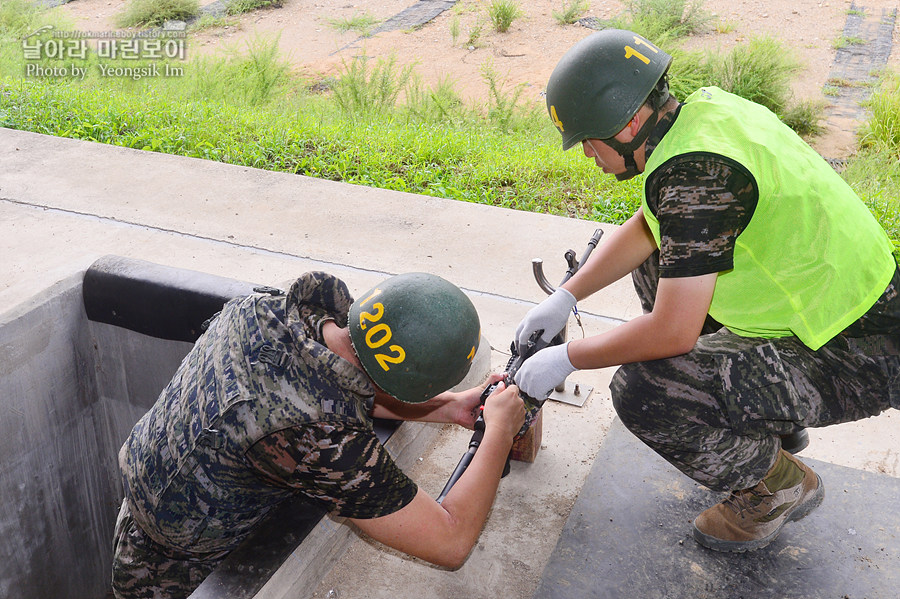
pixel 746 500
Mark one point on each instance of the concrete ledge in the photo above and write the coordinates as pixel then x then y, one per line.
pixel 69 202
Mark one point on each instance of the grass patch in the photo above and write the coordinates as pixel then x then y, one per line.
pixel 805 118
pixel 881 134
pixel 875 172
pixel 843 41
pixel 251 76
pixel 571 12
pixel 19 18
pixel 760 70
pixel 455 28
pixel 726 26
pixel 663 21
pixel 365 90
pixel 468 161
pixel 237 7
pixel 474 39
pixel 504 107
pixel 376 124
pixel 502 13
pixel 151 13
pixel 876 179
pixel 208 21
pixel 363 24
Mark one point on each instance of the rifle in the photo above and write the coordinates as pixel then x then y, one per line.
pixel 518 355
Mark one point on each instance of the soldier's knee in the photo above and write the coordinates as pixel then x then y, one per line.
pixel 626 398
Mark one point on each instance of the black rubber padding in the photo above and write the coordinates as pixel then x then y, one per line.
pixel 156 300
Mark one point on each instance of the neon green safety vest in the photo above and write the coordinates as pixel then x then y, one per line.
pixel 813 259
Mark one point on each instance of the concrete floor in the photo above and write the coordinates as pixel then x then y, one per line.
pixel 64 203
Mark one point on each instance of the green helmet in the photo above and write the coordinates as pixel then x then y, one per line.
pixel 601 83
pixel 415 335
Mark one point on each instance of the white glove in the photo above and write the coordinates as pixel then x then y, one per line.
pixel 542 372
pixel 550 316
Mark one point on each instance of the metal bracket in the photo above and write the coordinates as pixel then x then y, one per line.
pixel 567 392
pixel 574 394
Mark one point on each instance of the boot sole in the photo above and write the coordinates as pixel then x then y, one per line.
pixel 800 512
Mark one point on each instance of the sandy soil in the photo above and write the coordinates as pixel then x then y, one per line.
pixel 526 54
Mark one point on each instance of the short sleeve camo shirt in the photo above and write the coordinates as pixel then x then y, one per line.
pixel 341 466
pixel 703 201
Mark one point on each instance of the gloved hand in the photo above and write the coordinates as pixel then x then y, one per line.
pixel 550 315
pixel 543 371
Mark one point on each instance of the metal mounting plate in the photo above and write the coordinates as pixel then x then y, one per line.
pixel 574 394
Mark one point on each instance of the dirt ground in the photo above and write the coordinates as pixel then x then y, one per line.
pixel 526 54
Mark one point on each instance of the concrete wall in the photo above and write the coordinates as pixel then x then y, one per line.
pixel 70 390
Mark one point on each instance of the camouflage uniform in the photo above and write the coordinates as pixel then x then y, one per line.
pixel 259 410
pixel 715 413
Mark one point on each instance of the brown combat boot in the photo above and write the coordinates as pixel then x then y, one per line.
pixel 752 518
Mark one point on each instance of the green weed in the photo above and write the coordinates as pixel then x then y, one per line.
pixel 843 41
pixel 474 40
pixel 502 13
pixel 875 171
pixel 876 179
pixel 363 24
pixel 19 18
pixel 502 106
pixel 363 90
pixel 664 20
pixel 150 13
pixel 455 28
pixel 237 7
pixel 760 71
pixel 209 21
pixel 724 26
pixel 253 77
pixel 804 118
pixel 571 12
pixel 881 135
pixel 433 105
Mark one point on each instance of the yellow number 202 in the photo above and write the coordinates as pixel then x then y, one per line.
pixel 380 334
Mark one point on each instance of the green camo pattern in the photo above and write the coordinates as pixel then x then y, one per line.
pixel 145 570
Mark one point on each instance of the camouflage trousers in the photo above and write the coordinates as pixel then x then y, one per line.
pixel 144 569
pixel 716 413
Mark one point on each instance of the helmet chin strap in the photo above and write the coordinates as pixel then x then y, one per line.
pixel 626 150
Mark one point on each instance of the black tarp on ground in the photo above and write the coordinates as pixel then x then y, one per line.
pixel 629 535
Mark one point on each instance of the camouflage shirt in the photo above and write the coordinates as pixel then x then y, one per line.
pixel 259 410
pixel 703 201
pixel 340 465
